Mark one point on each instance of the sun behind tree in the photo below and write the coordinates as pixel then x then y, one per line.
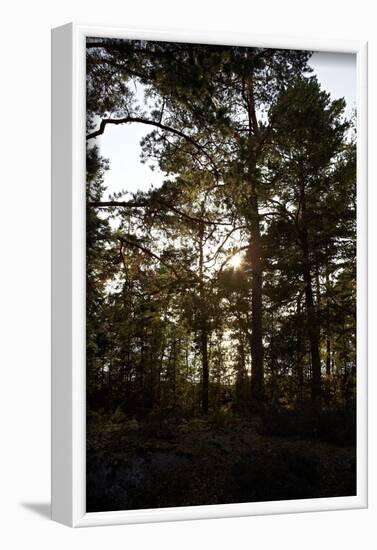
pixel 236 261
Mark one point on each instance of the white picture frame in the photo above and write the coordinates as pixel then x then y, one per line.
pixel 68 279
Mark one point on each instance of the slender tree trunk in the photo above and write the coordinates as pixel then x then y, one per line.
pixel 300 352
pixel 159 370
pixel 313 337
pixel 328 341
pixel 205 370
pixel 174 373
pixel 328 357
pixel 318 287
pixel 109 387
pixel 203 326
pixel 187 358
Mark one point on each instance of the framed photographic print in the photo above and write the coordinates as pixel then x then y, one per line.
pixel 209 275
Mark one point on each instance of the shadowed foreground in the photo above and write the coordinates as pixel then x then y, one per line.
pixel 178 462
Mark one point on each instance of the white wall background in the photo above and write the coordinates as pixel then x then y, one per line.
pixel 25 272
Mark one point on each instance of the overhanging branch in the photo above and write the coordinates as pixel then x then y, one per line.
pixel 156 124
pixel 163 204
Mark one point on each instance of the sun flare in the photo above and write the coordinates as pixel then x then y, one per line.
pixel 235 261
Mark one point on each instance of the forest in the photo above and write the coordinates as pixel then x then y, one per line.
pixel 221 303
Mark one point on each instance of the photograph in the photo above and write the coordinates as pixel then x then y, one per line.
pixel 221 236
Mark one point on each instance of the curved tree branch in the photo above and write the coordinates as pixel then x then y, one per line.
pixel 156 124
pixel 122 204
pixel 144 204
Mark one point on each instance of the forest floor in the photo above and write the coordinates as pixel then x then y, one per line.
pixel 178 462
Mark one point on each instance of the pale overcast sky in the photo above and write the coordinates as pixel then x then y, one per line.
pixel 121 144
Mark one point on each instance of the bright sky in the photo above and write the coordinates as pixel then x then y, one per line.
pixel 337 74
pixel 121 144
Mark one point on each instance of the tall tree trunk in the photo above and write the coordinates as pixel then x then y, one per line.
pixel 257 369
pixel 313 329
pixel 256 341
